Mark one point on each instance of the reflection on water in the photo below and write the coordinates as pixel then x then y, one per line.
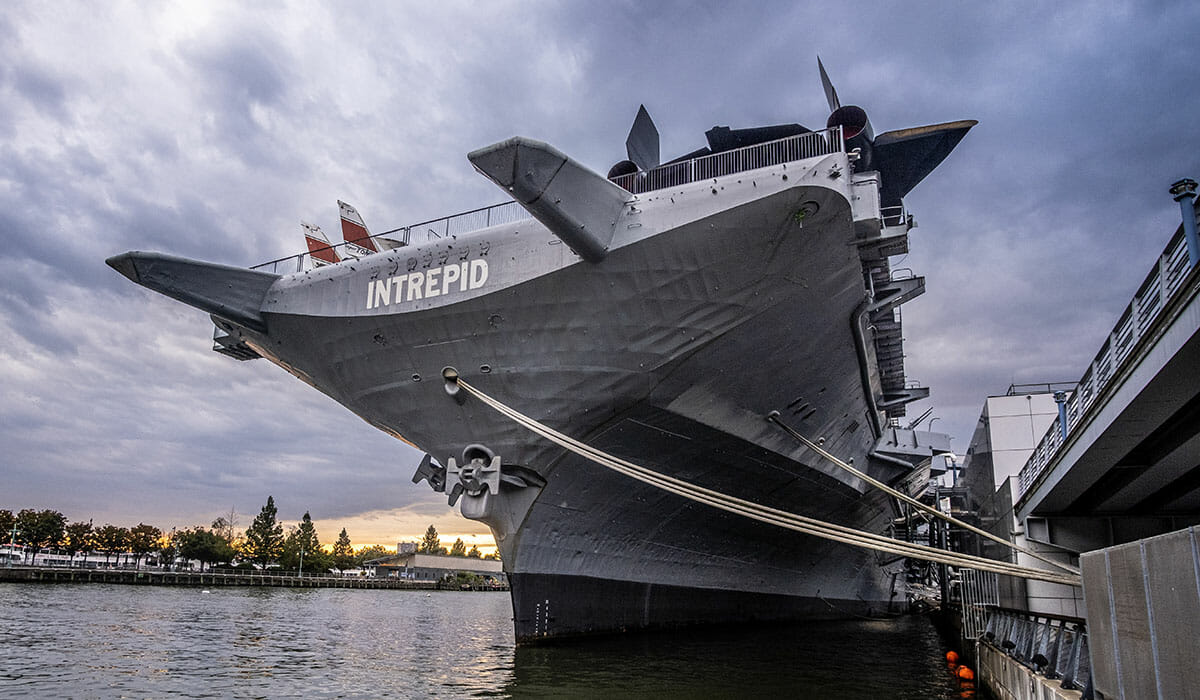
pixel 96 640
pixel 898 658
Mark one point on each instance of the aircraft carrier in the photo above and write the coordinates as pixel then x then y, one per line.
pixel 657 314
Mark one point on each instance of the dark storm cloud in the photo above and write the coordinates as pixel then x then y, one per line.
pixel 210 134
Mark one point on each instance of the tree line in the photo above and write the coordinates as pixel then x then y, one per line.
pixel 263 543
pixel 431 543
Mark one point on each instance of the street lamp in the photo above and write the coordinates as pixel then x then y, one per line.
pixel 301 573
pixel 12 544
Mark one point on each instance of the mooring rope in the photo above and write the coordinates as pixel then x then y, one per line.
pixel 774 418
pixel 765 514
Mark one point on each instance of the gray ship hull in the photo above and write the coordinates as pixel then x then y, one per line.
pixel 716 303
pixel 670 356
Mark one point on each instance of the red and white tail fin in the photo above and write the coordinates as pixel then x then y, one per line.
pixel 319 249
pixel 359 241
pixel 354 230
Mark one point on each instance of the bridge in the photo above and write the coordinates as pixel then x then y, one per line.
pixel 1122 460
pixel 1104 474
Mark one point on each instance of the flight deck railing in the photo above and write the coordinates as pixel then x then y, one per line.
pixel 445 227
pixel 761 155
pixel 785 150
pixel 1155 293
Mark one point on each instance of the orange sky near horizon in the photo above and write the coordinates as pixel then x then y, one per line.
pixel 390 527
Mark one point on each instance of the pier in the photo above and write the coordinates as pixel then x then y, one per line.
pixel 145 577
pixel 1101 474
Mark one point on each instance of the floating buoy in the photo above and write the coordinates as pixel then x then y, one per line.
pixel 952 657
pixel 965 673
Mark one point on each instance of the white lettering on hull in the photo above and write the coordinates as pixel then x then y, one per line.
pixel 435 282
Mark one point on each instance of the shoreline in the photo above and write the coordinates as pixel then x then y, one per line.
pixel 143 577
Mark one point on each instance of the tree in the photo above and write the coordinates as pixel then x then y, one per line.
pixel 264 537
pixel 226 526
pixel 168 550
pixel 458 549
pixel 143 539
pixel 205 546
pixel 303 538
pixel 368 553
pixel 78 538
pixel 39 529
pixel 474 553
pixel 111 539
pixel 431 543
pixel 343 553
pixel 7 521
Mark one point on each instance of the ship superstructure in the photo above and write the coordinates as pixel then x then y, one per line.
pixel 657 314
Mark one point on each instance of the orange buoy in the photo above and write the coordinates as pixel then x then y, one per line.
pixel 952 657
pixel 965 673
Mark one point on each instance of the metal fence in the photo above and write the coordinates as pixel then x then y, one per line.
pixel 1056 647
pixel 454 225
pixel 980 594
pixel 785 150
pixel 1164 280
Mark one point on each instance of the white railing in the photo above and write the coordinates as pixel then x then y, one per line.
pixel 785 150
pixel 445 227
pixel 1152 297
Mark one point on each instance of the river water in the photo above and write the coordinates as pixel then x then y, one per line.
pixel 109 641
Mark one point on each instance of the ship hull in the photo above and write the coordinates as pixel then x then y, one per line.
pixel 555 606
pixel 719 302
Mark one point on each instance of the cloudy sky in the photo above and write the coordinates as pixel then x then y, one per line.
pixel 210 130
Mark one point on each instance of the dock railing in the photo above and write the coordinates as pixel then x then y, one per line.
pixel 1154 294
pixel 761 155
pixel 1054 646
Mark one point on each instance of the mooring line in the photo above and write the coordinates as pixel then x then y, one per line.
pixel 765 514
pixel 773 417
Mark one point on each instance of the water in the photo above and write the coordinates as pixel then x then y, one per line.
pixel 107 641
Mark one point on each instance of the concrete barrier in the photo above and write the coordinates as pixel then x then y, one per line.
pixel 1143 613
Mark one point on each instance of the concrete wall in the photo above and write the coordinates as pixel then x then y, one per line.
pixel 1143 605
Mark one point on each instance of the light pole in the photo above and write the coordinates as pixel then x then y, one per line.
pixel 301 573
pixel 12 544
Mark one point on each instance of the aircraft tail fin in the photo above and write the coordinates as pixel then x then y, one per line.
pixel 354 230
pixel 319 248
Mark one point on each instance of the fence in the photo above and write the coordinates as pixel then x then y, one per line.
pixel 980 593
pixel 1056 647
pixel 454 225
pixel 785 150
